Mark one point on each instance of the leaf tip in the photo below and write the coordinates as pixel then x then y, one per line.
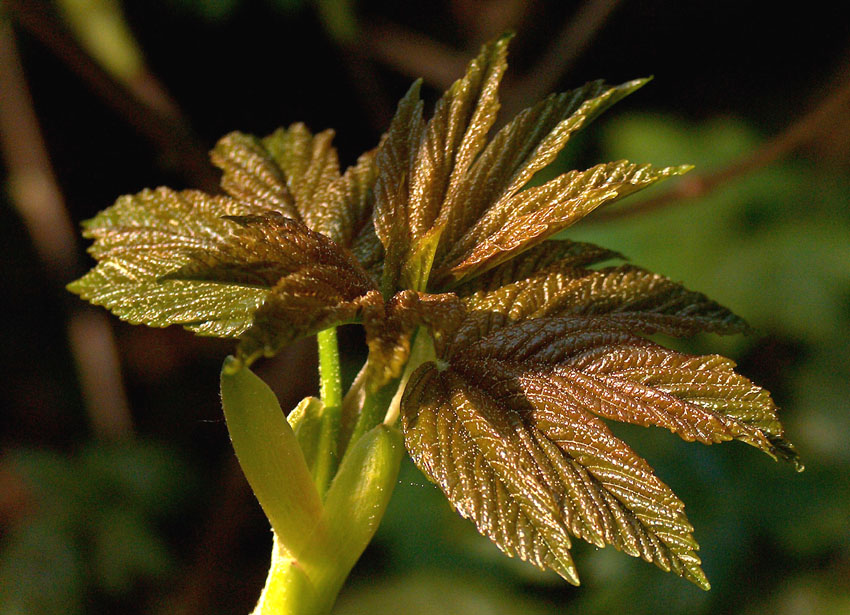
pixel 782 449
pixel 75 287
pixel 231 365
pixel 569 574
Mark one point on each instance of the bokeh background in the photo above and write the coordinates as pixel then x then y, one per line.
pixel 119 492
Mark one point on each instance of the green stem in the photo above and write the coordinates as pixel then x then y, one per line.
pixel 327 455
pixel 354 505
pixel 421 351
pixel 373 410
pixel 329 372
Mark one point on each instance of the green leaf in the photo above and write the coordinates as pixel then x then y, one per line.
pixel 308 282
pixel 271 458
pixel 306 422
pixel 262 249
pixel 309 164
pixel 146 236
pixel 517 223
pixel 347 214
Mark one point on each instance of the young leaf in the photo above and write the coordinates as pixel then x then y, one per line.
pixel 303 304
pixel 251 175
pixel 524 220
pixel 389 327
pixel 602 365
pixel 262 249
pixel 296 174
pixel 507 429
pixel 419 164
pixel 395 159
pixel 146 236
pixel 564 253
pixel 526 145
pixel 633 297
pixel 530 470
pixel 455 135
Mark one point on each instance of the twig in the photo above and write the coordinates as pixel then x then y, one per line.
pixel 574 37
pixel 36 196
pixel 147 110
pixel 797 134
pixel 413 54
pixel 486 19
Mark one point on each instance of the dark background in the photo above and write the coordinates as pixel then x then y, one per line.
pixel 145 511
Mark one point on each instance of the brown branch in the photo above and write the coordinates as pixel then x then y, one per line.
pixel 575 36
pixel 483 20
pixel 804 130
pixel 414 54
pixel 145 107
pixel 39 202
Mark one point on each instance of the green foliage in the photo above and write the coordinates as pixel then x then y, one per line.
pixel 438 232
pixel 94 524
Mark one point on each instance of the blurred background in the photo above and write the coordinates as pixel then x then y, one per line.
pixel 119 491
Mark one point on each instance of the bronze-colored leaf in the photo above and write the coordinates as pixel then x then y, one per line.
pixel 347 211
pixel 389 327
pixel 563 252
pixel 530 470
pixel 526 145
pixel 455 135
pixel 296 174
pixel 304 303
pixel 706 399
pixel 637 299
pixel 262 249
pixel 524 220
pixel 395 159
pixel 146 236
pixel 309 164
pixel 421 163
pixel 508 420
pixel 251 175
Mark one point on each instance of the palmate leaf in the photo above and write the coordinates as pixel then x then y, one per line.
pixel 419 162
pixel 437 230
pixel 551 281
pixel 532 215
pixel 226 266
pixel 508 426
pixel 445 199
pixel 146 236
pixel 526 145
pixel 297 174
